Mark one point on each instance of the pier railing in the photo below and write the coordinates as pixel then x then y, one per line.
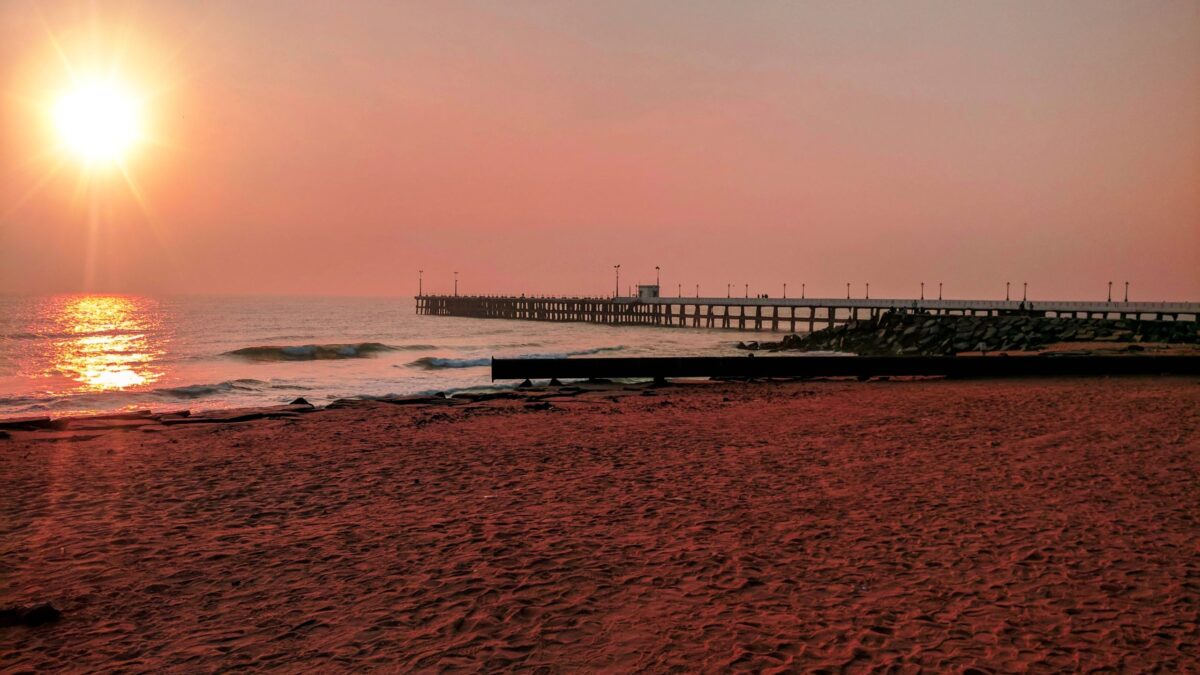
pixel 774 314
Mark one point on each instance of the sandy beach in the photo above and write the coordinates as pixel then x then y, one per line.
pixel 1047 525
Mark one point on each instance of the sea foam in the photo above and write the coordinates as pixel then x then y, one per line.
pixel 99 400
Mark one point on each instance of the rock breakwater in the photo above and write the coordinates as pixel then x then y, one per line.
pixel 936 335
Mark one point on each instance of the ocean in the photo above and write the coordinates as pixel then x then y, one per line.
pixel 73 354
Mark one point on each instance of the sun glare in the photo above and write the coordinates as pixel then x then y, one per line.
pixel 97 121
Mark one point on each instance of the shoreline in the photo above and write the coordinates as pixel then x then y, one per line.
pixel 541 388
pixel 1058 349
pixel 1005 524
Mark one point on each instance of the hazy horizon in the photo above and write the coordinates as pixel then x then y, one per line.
pixel 336 150
pixel 857 293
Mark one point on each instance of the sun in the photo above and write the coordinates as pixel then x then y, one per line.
pixel 98 122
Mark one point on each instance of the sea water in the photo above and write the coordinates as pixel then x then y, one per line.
pixel 71 354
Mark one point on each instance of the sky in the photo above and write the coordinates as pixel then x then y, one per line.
pixel 318 148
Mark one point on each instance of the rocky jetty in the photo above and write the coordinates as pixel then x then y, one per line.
pixel 924 334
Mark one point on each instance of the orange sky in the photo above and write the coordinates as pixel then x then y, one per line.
pixel 298 149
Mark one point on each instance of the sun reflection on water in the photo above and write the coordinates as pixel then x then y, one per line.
pixel 105 342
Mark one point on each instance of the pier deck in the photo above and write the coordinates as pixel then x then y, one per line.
pixel 772 314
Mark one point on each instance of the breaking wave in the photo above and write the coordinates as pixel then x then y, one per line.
pixel 316 352
pixel 191 391
pixel 149 397
pixel 439 362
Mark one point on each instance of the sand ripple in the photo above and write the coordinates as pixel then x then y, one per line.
pixel 1042 526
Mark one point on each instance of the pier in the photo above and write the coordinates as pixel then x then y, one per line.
pixel 772 314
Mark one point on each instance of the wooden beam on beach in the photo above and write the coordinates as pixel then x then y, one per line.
pixel 843 366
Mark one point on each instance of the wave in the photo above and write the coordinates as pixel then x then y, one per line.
pixel 315 352
pixel 7 401
pixel 439 362
pixel 73 335
pixel 110 399
pixel 191 391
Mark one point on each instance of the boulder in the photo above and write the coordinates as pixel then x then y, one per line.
pixel 901 333
pixel 30 615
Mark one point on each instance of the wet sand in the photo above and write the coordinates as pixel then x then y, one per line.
pixel 1048 525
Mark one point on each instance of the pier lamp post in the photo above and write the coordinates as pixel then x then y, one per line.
pixel 728 292
pixel 747 290
pixel 1110 291
pixel 802 289
pixel 456 284
pixel 617 287
pixel 1126 291
pixel 420 281
pixel 922 290
pixel 657 276
pixel 785 291
pixel 1006 285
pixel 697 291
pixel 939 290
pixel 680 291
pixel 847 290
pixel 868 296
pixel 1024 291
